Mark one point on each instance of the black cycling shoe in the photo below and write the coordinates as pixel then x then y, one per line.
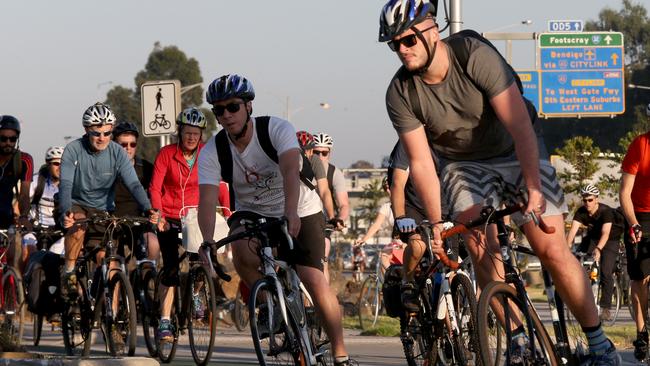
pixel 641 346
pixel 347 362
pixel 410 298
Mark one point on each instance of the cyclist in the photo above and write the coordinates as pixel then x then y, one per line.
pixel 15 166
pixel 480 129
pixel 90 166
pixel 126 134
pixel 601 240
pixel 635 200
pixel 264 188
pixel 43 189
pixel 323 145
pixel 306 142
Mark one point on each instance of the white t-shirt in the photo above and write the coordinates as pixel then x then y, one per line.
pixel 45 208
pixel 386 210
pixel 257 180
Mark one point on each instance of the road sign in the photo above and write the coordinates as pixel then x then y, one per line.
pixel 161 103
pixel 581 74
pixel 530 82
pixel 565 25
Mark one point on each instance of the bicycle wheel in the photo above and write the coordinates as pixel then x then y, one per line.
pixel 37 328
pixel 202 322
pixel 369 303
pixel 466 342
pixel 153 125
pixel 13 304
pixel 276 342
pixel 617 298
pixel 239 313
pixel 420 347
pixel 123 331
pixel 76 323
pixel 166 124
pixel 505 297
pixel 149 310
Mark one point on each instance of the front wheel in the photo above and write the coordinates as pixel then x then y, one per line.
pixel 369 303
pixel 420 347
pixel 509 310
pixel 465 307
pixel 617 296
pixel 239 313
pixel 202 322
pixel 276 342
pixel 37 328
pixel 13 305
pixel 149 311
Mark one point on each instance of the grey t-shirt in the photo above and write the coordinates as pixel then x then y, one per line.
pixel 317 167
pixel 459 121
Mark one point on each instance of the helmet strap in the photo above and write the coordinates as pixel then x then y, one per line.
pixel 242 133
pixel 431 52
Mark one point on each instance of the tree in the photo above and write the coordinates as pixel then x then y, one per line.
pixel 370 201
pixel 362 164
pixel 581 155
pixel 163 63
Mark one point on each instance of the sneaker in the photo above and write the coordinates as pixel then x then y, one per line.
pixel 118 340
pixel 165 331
pixel 263 321
pixel 197 306
pixel 347 362
pixel 609 358
pixel 69 286
pixel 519 350
pixel 410 298
pixel 641 347
pixel 605 315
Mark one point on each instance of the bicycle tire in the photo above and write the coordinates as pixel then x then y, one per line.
pixel 37 329
pixel 419 345
pixel 465 306
pixel 125 320
pixel 153 125
pixel 13 307
pixel 369 303
pixel 166 124
pixel 239 313
pixel 149 310
pixel 505 294
pixel 76 327
pixel 199 325
pixel 617 297
pixel 284 346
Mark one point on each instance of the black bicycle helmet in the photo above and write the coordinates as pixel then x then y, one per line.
pixel 8 122
pixel 125 127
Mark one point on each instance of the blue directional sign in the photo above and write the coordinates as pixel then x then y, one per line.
pixel 530 82
pixel 581 74
pixel 565 25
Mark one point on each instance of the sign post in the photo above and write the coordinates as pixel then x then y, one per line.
pixel 581 74
pixel 161 103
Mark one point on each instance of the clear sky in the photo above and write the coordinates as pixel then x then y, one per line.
pixel 59 57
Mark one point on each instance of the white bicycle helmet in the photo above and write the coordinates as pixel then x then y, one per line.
pixel 323 140
pixel 54 153
pixel 192 116
pixel 230 86
pixel 589 190
pixel 98 115
pixel 399 15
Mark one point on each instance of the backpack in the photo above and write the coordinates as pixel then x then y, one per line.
pixel 42 280
pixel 262 129
pixel 457 43
pixel 330 183
pixel 40 185
pixel 619 218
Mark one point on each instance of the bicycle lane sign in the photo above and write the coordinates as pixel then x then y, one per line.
pixel 161 103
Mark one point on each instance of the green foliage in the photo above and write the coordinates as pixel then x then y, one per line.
pixel 362 164
pixel 581 154
pixel 370 201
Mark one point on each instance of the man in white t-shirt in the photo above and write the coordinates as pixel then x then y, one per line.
pixel 265 187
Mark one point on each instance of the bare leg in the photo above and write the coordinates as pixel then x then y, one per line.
pixel 639 300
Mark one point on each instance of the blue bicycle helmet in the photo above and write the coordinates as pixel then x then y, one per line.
pixel 399 15
pixel 230 86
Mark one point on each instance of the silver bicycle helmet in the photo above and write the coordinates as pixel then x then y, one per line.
pixel 191 116
pixel 98 114
pixel 323 140
pixel 230 86
pixel 399 15
pixel 590 190
pixel 54 153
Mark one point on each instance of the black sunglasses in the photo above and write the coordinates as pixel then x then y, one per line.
pixel 55 163
pixel 585 200
pixel 321 152
pixel 8 138
pixel 219 110
pixel 408 41
pixel 97 133
pixel 127 144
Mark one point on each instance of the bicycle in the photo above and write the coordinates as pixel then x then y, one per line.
pixel 160 121
pixel 104 296
pixel 12 300
pixel 594 272
pixel 144 286
pixel 282 331
pixel 371 301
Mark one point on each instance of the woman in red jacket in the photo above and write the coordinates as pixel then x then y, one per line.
pixel 174 188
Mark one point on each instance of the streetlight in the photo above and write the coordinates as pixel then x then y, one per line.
pixel 634 86
pixel 521 22
pixel 289 112
pixel 510 36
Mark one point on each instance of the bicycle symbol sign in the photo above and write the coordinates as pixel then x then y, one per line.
pixel 160 105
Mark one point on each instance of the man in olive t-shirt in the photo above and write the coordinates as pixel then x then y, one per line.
pixel 478 125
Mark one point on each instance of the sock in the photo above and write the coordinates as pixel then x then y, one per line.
pixel 341 359
pixel 165 318
pixel 598 342
pixel 69 270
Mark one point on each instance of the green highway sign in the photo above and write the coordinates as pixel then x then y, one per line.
pixel 590 39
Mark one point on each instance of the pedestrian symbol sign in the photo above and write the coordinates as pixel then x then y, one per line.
pixel 161 102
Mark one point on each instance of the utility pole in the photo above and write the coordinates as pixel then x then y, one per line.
pixel 455 16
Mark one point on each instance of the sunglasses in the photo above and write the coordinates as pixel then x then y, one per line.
pixel 8 138
pixel 127 144
pixel 408 41
pixel 321 152
pixel 585 200
pixel 219 110
pixel 97 133
pixel 55 163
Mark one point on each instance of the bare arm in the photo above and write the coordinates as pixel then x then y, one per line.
pixel 326 197
pixel 23 198
pixel 397 197
pixel 289 168
pixel 604 235
pixel 372 230
pixel 575 226
pixel 625 196
pixel 208 201
pixel 344 205
pixel 511 111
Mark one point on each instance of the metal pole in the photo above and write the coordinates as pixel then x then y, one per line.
pixel 509 51
pixel 455 16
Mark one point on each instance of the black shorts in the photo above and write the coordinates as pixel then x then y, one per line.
pixel 308 247
pixel 415 214
pixel 638 255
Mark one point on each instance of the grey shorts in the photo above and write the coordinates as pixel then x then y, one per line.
pixel 468 183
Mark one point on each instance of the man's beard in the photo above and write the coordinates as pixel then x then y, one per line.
pixel 7 151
